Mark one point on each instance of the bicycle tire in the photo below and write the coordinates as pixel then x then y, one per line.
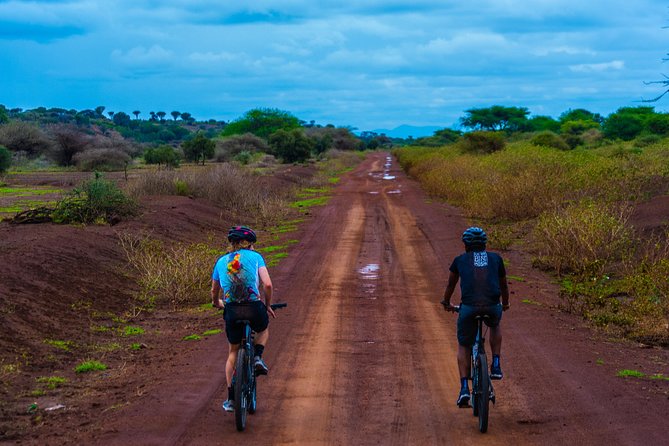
pixel 483 400
pixel 475 386
pixel 241 384
pixel 253 402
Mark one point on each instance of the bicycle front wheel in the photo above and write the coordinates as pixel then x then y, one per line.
pixel 241 386
pixel 483 397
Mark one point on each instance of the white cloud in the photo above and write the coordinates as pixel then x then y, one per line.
pixel 597 67
pixel 140 55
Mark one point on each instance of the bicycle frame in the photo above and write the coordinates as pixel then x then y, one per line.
pixel 482 389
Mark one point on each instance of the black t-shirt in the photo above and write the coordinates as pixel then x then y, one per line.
pixel 480 274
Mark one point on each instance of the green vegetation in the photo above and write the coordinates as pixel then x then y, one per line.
pixel 90 366
pixel 212 332
pixel 5 159
pixel 193 337
pixel 626 373
pixel 95 201
pixel 136 346
pixel 572 207
pixel 132 331
pixel 61 345
pixel 52 382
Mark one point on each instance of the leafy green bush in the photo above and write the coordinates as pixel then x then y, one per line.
pixel 230 147
pixel 482 142
pixel 5 159
pixel 163 154
pixel 549 139
pixel 95 201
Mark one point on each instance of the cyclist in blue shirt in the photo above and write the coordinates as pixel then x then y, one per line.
pixel 235 285
pixel 482 282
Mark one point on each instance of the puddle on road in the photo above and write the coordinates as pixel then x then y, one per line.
pixel 374 192
pixel 388 177
pixel 394 192
pixel 370 271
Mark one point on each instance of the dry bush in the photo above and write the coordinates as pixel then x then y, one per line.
pixel 108 159
pixel 584 238
pixel 178 274
pixel 230 186
pixel 68 141
pixel 228 148
pixel 19 136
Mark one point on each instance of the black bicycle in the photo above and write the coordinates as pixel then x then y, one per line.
pixel 482 390
pixel 244 377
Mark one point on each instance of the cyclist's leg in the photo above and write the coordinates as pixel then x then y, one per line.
pixel 496 339
pixel 230 363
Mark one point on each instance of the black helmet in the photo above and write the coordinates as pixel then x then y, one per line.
pixel 238 233
pixel 474 236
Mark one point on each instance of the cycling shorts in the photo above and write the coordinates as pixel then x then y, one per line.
pixel 255 312
pixel 467 323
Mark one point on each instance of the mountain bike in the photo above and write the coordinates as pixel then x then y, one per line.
pixel 244 377
pixel 482 389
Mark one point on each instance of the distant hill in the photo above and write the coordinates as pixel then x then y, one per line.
pixel 404 131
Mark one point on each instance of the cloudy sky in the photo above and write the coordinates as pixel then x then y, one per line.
pixel 368 64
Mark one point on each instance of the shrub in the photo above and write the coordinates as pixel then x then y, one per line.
pixel 482 142
pixel 583 238
pixel 244 157
pixel 163 154
pixel 5 159
pixel 291 146
pixel 549 139
pixel 102 160
pixel 200 148
pixel 96 200
pixel 19 136
pixel 178 274
pixel 228 148
pixel 68 141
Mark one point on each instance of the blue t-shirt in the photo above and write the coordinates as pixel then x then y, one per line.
pixel 237 272
pixel 480 275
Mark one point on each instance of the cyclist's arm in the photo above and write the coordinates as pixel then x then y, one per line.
pixel 216 294
pixel 266 283
pixel 504 286
pixel 450 287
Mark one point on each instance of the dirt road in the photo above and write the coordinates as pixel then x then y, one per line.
pixel 365 355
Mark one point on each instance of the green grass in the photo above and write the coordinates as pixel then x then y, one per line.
pixel 516 278
pixel 61 345
pixel 599 361
pixel 625 373
pixel 212 332
pixel 268 249
pixel 90 366
pixel 27 192
pixel 531 302
pixel 135 346
pixel 310 202
pixel 193 337
pixel 52 382
pixel 132 331
pixel 110 347
pixel 659 376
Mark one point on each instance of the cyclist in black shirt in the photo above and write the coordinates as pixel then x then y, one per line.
pixel 482 282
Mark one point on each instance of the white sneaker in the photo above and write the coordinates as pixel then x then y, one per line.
pixel 228 406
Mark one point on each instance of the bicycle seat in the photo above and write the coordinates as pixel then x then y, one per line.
pixel 483 317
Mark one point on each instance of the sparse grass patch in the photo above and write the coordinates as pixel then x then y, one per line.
pixel 52 382
pixel 61 345
pixel 627 373
pixel 310 202
pixel 531 302
pixel 212 332
pixel 659 376
pixel 130 330
pixel 193 337
pixel 90 366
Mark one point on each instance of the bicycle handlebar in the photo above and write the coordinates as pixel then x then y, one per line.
pixel 277 306
pixel 456 308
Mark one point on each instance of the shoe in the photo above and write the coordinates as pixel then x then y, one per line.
pixel 260 366
pixel 496 372
pixel 228 406
pixel 463 399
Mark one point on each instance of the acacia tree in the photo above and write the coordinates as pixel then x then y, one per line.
pixel 198 148
pixel 136 113
pixel 262 122
pixel 161 115
pixel 175 114
pixel 496 118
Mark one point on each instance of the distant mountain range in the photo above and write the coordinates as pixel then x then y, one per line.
pixel 404 131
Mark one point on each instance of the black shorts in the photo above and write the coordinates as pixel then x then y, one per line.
pixel 255 312
pixel 467 324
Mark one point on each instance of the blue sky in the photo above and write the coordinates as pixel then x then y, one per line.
pixel 367 64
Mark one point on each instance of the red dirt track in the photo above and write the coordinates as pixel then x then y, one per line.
pixel 365 355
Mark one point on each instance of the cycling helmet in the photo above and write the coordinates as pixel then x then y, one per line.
pixel 474 236
pixel 238 233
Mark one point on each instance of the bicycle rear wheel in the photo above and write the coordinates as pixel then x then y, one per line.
pixel 483 397
pixel 476 379
pixel 241 386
